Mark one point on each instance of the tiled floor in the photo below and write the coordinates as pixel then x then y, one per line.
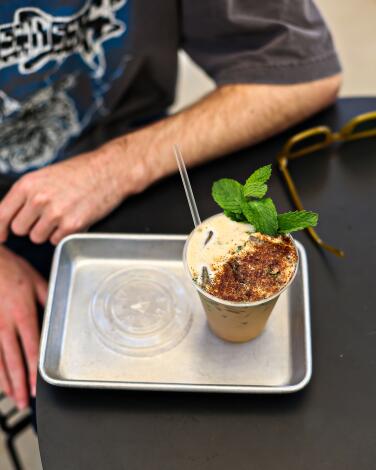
pixel 26 444
pixel 353 23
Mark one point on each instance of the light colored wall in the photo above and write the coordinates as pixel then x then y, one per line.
pixel 353 23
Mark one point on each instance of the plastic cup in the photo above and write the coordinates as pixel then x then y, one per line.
pixel 235 321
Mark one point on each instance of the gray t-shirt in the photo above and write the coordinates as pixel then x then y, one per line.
pixel 74 74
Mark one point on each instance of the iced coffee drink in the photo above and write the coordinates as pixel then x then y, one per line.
pixel 242 259
pixel 239 274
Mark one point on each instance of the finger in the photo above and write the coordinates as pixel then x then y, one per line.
pixel 4 379
pixel 42 230
pixel 15 368
pixel 25 218
pixel 68 228
pixel 58 235
pixel 9 206
pixel 29 335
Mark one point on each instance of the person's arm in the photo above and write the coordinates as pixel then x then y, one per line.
pixel 230 118
pixel 70 196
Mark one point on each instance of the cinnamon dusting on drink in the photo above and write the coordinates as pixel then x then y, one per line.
pixel 260 269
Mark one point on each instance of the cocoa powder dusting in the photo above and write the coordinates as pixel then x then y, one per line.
pixel 262 269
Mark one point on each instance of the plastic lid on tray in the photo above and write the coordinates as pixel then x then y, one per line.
pixel 141 311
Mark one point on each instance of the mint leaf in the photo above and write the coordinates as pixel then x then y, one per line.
pixel 235 217
pixel 261 175
pixel 260 212
pixel 262 215
pixel 228 194
pixel 255 185
pixel 257 190
pixel 297 220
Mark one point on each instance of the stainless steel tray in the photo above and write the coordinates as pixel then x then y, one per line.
pixel 278 361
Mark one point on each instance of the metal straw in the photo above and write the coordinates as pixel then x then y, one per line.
pixel 187 186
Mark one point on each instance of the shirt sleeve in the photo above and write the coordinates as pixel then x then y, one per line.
pixel 258 41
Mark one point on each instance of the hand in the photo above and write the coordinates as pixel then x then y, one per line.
pixel 20 288
pixel 68 197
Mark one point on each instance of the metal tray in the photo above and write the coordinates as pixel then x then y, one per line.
pixel 279 361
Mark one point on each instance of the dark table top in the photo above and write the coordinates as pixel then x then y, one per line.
pixel 329 425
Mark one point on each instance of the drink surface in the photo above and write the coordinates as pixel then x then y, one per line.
pixel 233 262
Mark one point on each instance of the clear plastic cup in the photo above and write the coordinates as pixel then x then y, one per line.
pixel 235 321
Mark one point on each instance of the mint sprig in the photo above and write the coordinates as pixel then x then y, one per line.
pixel 248 204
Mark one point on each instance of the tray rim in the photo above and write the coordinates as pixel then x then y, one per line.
pixel 172 387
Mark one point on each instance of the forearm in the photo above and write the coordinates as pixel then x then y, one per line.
pixel 230 118
pixel 71 195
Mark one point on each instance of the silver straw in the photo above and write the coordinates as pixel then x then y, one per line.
pixel 187 186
